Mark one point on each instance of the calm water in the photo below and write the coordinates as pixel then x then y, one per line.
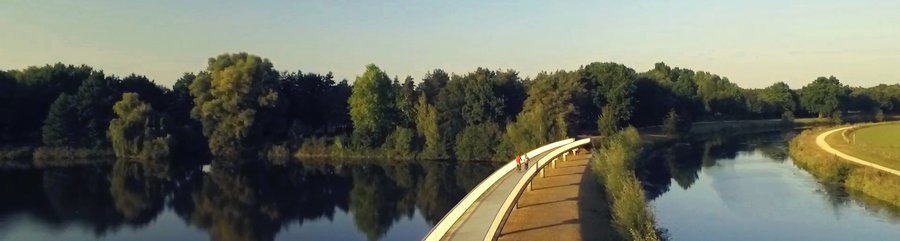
pixel 749 189
pixel 302 202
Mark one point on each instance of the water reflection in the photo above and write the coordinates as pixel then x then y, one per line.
pixel 249 204
pixel 747 188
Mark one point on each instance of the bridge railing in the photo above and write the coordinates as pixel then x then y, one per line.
pixel 443 226
pixel 508 205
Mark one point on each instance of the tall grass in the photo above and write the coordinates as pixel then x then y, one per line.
pixel 825 166
pixel 15 157
pixel 68 156
pixel 614 162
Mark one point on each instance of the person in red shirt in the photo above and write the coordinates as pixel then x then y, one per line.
pixel 518 162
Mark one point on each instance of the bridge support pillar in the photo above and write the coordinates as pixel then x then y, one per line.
pixel 554 163
pixel 542 172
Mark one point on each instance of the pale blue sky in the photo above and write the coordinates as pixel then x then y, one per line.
pixel 754 43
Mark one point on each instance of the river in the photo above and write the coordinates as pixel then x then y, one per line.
pixel 333 201
pixel 747 188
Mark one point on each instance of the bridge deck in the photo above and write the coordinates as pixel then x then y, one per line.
pixel 565 204
pixel 474 224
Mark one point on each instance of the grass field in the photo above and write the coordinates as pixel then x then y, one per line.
pixel 878 144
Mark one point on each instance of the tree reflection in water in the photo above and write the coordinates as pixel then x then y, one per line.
pixel 248 204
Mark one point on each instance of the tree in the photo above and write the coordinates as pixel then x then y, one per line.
pixel 136 133
pixel 61 128
pixel 477 142
pixel 823 96
pixel 399 144
pixel 234 101
pixel 548 115
pixel 613 85
pixel 427 128
pixel 93 103
pixel 38 88
pixel 372 107
pixel 608 123
pixel 448 105
pixel 778 99
pixel 8 99
pixel 432 84
pixel 405 101
pixel 481 104
pixel 719 96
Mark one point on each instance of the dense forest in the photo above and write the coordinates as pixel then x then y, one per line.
pixel 240 108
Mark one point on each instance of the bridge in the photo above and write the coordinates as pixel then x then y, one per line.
pixel 482 214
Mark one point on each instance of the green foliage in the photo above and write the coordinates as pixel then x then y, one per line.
pixel 136 133
pixel 480 105
pixel 427 128
pixel 399 144
pixel 778 98
pixel 477 142
pixel 37 89
pixel 405 101
pixel 47 156
pixel 608 123
pixel 547 115
pixel 316 104
pixel 234 100
pixel 614 162
pixel 8 90
pixel 278 154
pixel 372 107
pixel 614 86
pixel 60 127
pixel 432 84
pixel 718 95
pixel 823 96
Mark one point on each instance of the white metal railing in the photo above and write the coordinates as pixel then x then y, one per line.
pixel 443 226
pixel 507 207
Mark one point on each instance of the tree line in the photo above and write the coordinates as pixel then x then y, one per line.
pixel 241 108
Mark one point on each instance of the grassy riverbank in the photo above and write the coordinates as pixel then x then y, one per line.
pixel 614 163
pixel 876 143
pixel 827 167
pixel 42 157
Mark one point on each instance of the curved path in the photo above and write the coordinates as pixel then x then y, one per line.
pixel 820 141
pixel 483 211
pixel 471 218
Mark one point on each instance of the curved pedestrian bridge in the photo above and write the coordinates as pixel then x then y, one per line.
pixel 482 214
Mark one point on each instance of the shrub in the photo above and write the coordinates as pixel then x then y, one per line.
pixel 787 116
pixel 614 162
pixel 67 156
pixel 278 154
pixel 879 115
pixel 399 144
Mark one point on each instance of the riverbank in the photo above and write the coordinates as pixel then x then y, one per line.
pixel 614 164
pixel 830 168
pixel 45 157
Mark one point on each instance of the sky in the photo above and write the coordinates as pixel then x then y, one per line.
pixel 753 43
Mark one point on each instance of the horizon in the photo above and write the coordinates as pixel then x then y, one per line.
pixel 752 44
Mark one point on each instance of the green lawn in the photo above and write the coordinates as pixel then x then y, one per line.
pixel 878 144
